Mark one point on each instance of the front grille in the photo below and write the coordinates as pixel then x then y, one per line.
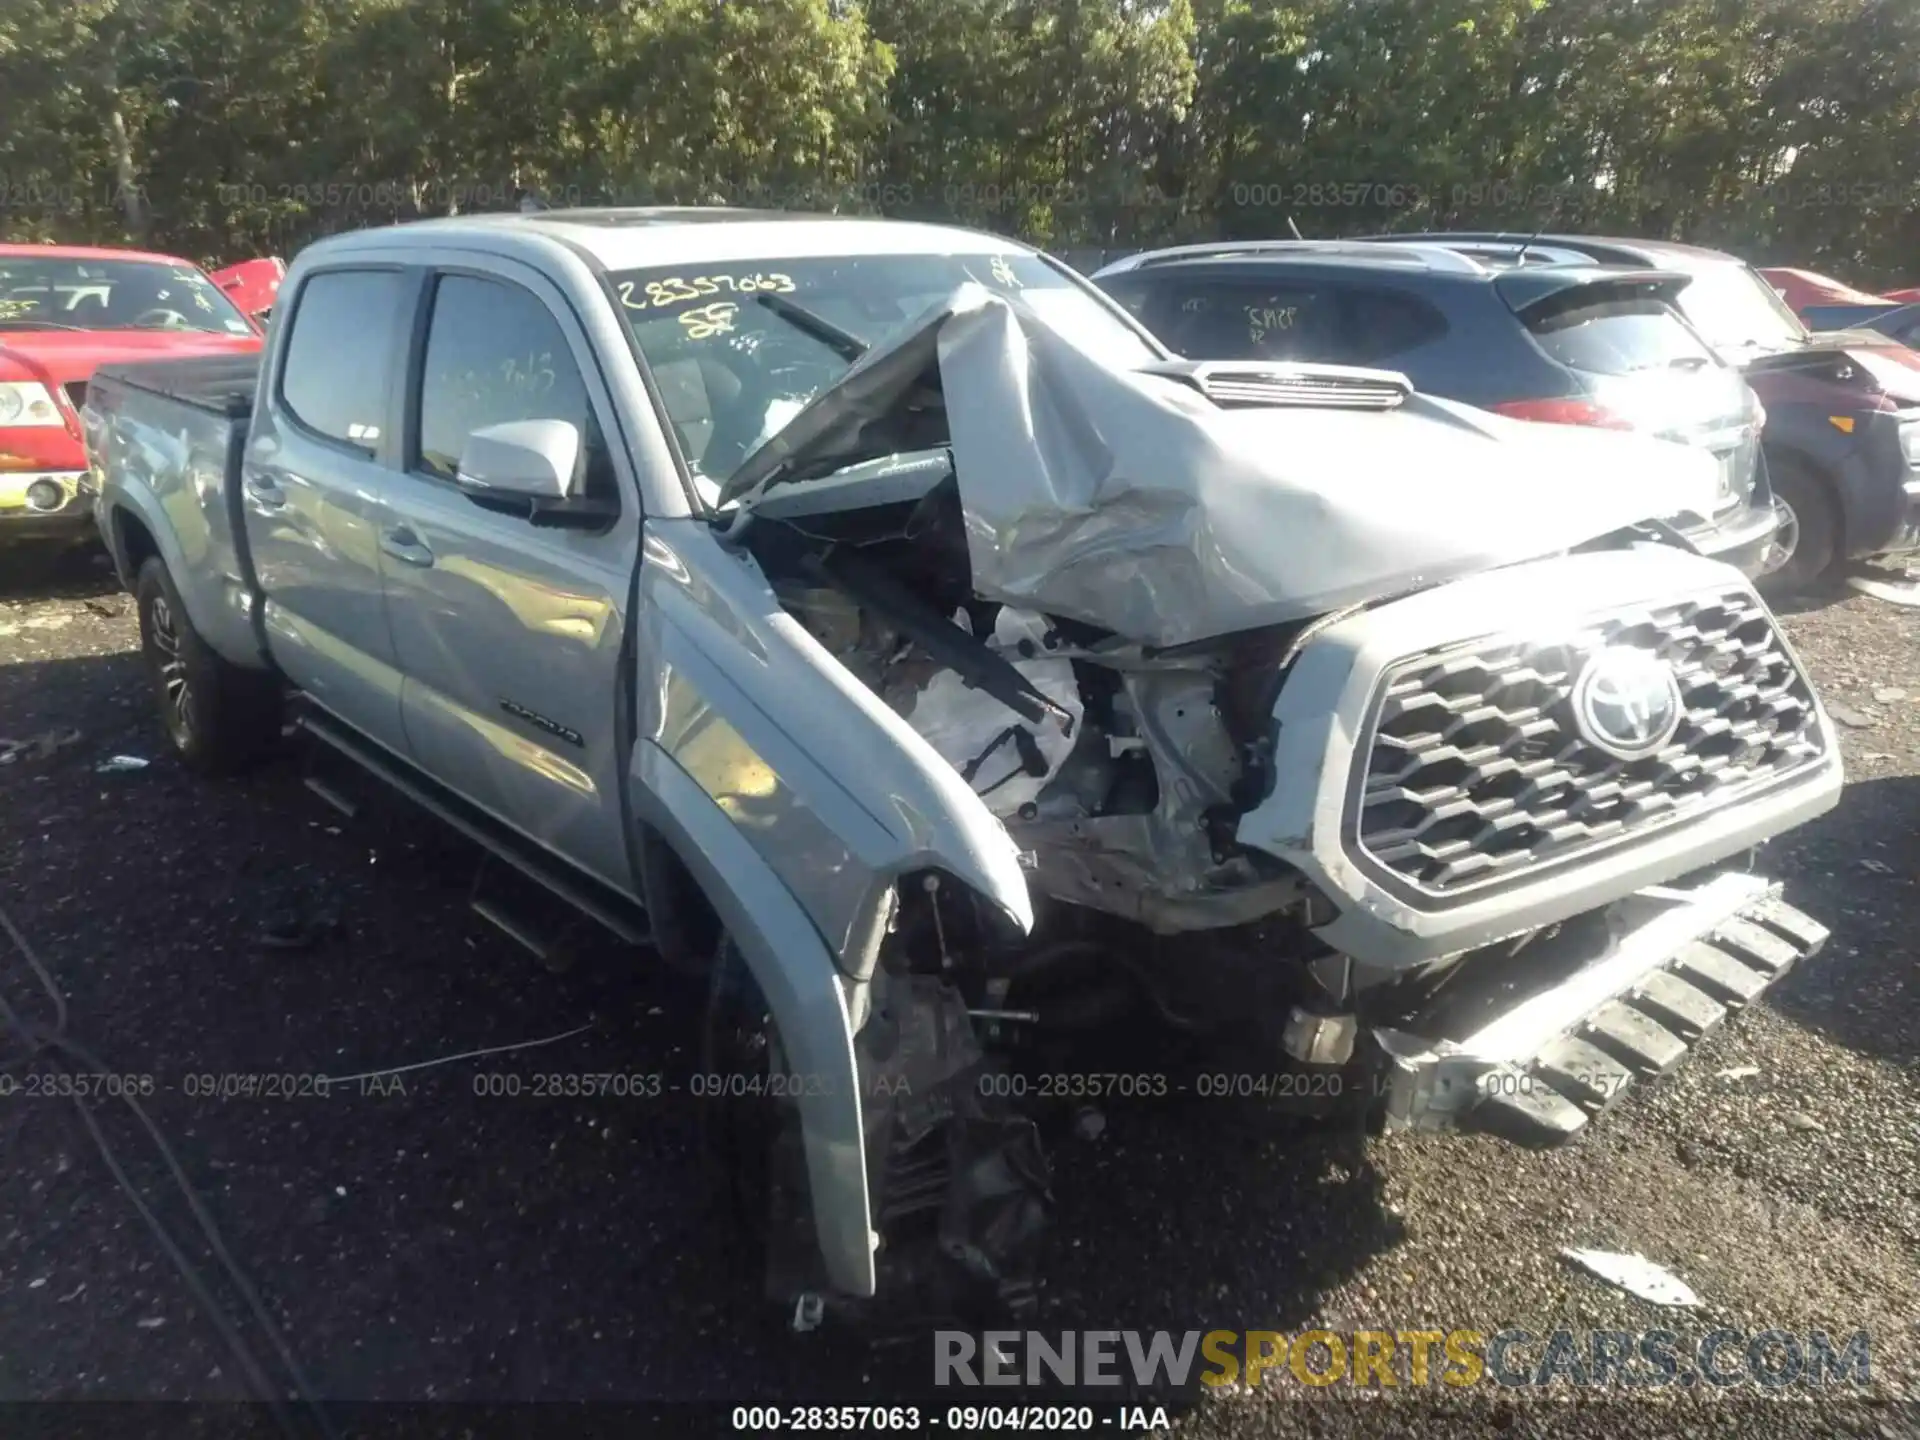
pixel 1476 772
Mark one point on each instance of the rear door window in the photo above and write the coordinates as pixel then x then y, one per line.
pixel 336 371
pixel 1379 326
pixel 1216 319
pixel 1617 335
pixel 495 353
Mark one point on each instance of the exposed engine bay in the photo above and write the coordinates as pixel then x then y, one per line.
pixel 1120 768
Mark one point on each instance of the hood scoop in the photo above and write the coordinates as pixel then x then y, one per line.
pixel 1239 384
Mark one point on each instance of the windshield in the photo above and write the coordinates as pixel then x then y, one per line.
pixel 1735 308
pixel 52 293
pixel 732 370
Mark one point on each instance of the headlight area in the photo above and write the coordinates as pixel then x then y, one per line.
pixel 1909 433
pixel 27 404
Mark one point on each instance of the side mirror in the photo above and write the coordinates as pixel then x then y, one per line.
pixel 531 460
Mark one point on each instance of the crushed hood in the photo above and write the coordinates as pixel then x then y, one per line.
pixel 1130 500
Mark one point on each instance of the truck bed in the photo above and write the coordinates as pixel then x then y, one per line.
pixel 170 435
pixel 219 384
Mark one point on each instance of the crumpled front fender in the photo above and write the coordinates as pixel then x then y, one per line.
pixel 797 800
pixel 831 788
pixel 796 974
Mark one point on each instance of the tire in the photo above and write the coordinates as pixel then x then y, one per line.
pixel 1816 520
pixel 218 717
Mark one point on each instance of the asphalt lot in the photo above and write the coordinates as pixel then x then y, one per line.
pixel 435 1243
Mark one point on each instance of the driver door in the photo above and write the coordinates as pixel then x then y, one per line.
pixel 509 634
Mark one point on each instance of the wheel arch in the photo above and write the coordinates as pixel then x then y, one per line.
pixel 1787 453
pixel 795 970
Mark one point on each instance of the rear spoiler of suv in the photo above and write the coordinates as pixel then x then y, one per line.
pixel 1530 289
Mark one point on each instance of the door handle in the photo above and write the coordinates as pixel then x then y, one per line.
pixel 265 494
pixel 405 546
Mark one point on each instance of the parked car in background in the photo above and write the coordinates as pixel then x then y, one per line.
pixel 882 612
pixel 1574 344
pixel 1842 436
pixel 1823 303
pixel 64 311
pixel 253 285
pixel 1802 288
pixel 1891 318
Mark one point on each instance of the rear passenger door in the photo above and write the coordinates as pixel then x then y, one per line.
pixel 312 482
pixel 509 633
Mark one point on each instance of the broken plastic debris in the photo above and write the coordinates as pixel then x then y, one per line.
pixel 1894 591
pixel 121 764
pixel 37 747
pixel 808 1310
pixel 1740 1072
pixel 151 1322
pixel 1877 867
pixel 1636 1275
pixel 1800 1120
pixel 1846 715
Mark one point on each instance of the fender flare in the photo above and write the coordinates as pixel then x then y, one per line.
pixel 795 970
pixel 220 603
pixel 126 503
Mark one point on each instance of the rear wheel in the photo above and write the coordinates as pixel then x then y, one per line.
pixel 1811 528
pixel 218 717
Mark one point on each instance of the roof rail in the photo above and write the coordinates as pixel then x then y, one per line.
pixel 1438 256
pixel 1516 252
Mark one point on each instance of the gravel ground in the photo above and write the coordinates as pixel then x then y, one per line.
pixel 433 1243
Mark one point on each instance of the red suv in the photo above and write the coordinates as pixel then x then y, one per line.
pixel 65 310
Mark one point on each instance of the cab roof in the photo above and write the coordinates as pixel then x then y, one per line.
pixel 638 238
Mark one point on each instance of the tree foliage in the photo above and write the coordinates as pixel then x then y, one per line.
pixel 1786 129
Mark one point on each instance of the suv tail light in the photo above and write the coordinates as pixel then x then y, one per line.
pixel 1563 412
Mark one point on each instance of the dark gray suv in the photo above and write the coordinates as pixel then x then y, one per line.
pixel 1569 343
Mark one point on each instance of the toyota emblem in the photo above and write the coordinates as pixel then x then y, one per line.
pixel 1627 702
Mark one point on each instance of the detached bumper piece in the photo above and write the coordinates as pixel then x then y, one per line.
pixel 1539 1060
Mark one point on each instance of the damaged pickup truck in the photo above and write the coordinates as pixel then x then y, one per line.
pixel 873 619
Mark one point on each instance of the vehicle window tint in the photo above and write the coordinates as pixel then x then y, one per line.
pixel 339 355
pixel 1617 336
pixel 1131 295
pixel 1377 325
pixel 494 354
pixel 1241 320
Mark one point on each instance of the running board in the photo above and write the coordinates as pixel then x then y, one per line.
pixel 623 916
